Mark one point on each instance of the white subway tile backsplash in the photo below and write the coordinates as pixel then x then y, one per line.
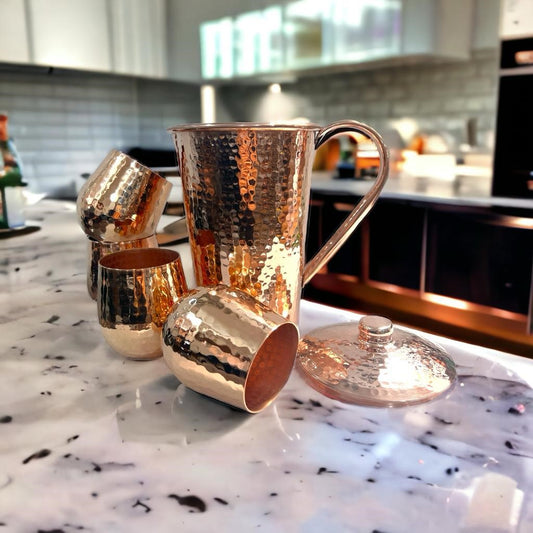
pixel 404 108
pixel 71 91
pixel 478 86
pixel 46 103
pixel 65 123
pixel 338 111
pixel 378 109
pixel 456 104
pixel 370 94
pixel 42 117
pixel 395 92
pixel 429 106
pixel 437 97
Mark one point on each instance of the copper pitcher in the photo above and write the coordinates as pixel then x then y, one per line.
pixel 246 194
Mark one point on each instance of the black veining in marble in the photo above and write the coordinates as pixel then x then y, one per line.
pixel 451 471
pixel 516 410
pixel 324 470
pixel 190 501
pixel 139 503
pixel 37 455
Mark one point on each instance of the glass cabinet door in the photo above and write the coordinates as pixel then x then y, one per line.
pixel 366 29
pixel 258 42
pixel 216 41
pixel 305 33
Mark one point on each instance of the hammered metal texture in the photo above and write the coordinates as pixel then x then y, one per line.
pixel 122 200
pixel 136 291
pixel 97 250
pixel 225 344
pixel 374 368
pixel 246 194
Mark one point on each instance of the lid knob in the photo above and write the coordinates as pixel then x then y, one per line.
pixel 373 328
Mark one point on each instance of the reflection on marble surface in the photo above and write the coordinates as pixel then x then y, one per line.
pixel 94 442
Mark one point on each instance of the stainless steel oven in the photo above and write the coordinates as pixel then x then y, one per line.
pixel 513 154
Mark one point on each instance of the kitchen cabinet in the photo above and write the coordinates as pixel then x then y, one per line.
pixel 349 259
pixel 119 36
pixel 138 37
pixel 70 34
pixel 14 34
pixel 396 244
pixel 481 259
pixel 310 35
pixel 453 268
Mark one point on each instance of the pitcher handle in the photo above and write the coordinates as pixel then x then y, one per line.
pixel 366 203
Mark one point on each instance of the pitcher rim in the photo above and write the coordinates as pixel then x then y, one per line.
pixel 215 126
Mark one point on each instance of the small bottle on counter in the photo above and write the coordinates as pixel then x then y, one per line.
pixel 11 184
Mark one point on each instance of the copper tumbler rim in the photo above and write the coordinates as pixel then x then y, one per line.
pixel 98 249
pixel 271 368
pixel 139 258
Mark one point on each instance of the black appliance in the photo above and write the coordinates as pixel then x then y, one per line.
pixel 513 154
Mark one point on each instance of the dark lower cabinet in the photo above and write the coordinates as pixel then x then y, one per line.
pixel 314 237
pixel 477 254
pixel 480 260
pixel 408 252
pixel 348 259
pixel 396 236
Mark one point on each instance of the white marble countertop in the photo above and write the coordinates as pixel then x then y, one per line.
pixel 93 442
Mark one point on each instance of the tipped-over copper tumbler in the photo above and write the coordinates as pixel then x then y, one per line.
pixel 122 200
pixel 223 343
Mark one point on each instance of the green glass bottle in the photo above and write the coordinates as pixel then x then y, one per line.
pixel 10 171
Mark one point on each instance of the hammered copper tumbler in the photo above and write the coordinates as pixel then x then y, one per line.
pixel 136 291
pixel 122 200
pixel 223 343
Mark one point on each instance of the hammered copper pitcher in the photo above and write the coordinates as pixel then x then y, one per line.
pixel 246 193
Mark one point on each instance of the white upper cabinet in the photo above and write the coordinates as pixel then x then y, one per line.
pixel 312 34
pixel 14 34
pixel 139 37
pixel 70 34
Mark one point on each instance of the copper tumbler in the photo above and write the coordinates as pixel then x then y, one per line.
pixel 223 343
pixel 136 291
pixel 97 250
pixel 122 200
